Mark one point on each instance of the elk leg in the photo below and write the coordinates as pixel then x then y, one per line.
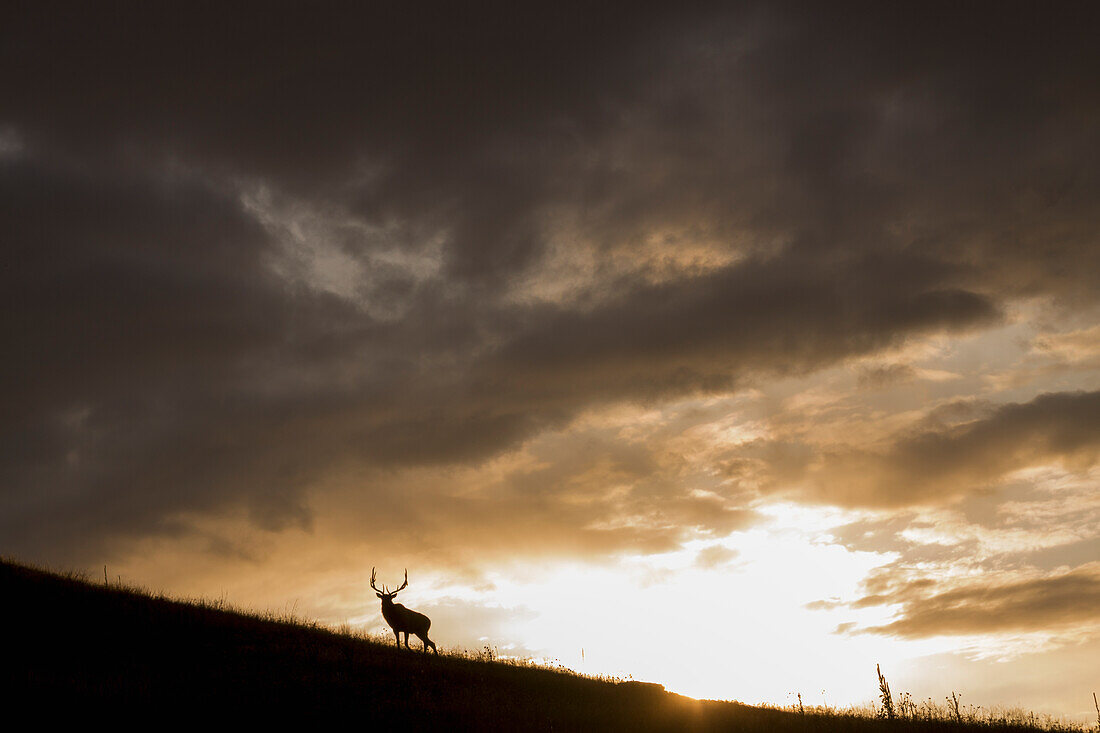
pixel 397 637
pixel 427 643
pixel 407 640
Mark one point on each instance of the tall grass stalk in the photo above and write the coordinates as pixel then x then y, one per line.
pixel 955 707
pixel 884 693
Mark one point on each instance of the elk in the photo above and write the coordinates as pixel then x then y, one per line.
pixel 402 619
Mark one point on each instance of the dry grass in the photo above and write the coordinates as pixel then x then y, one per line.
pixel 903 708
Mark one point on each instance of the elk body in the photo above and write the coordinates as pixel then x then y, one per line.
pixel 403 620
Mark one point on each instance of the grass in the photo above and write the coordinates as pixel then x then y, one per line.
pixel 102 648
pixel 901 709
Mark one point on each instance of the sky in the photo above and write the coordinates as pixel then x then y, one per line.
pixel 737 347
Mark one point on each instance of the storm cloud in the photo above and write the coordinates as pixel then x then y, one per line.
pixel 1069 599
pixel 250 249
pixel 943 459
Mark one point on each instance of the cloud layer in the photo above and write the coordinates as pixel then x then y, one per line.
pixel 1041 604
pixel 274 265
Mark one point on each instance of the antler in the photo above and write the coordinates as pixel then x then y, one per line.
pixel 372 585
pixel 386 590
pixel 406 581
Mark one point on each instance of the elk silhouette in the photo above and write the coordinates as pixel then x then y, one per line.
pixel 401 619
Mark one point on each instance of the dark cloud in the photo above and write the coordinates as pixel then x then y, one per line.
pixel 1050 558
pixel 1041 604
pixel 929 464
pixel 145 344
pixel 882 376
pixel 886 535
pixel 780 316
pixel 163 362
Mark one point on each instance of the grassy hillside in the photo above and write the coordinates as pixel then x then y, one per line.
pixel 86 646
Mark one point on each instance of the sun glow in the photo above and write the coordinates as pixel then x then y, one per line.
pixel 738 628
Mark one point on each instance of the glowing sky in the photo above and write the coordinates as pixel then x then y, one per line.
pixel 742 346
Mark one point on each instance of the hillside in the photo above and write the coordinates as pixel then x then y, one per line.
pixel 86 646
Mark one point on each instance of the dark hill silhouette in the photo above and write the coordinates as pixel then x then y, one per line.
pixel 85 646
